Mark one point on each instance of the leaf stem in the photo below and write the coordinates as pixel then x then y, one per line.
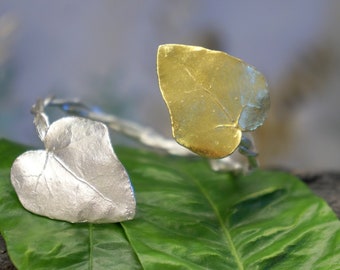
pixel 246 148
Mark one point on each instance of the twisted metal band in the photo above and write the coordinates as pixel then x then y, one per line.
pixel 145 135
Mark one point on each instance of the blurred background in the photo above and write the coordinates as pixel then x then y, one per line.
pixel 104 53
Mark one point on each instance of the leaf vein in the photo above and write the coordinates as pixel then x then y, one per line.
pixel 90 228
pixel 221 223
pixel 211 95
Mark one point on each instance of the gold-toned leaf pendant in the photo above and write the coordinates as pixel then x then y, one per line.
pixel 211 96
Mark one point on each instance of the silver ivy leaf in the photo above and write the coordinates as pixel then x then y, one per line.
pixel 78 178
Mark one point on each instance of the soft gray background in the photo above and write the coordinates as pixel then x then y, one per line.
pixel 104 52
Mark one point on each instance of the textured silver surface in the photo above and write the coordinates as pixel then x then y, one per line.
pixel 78 178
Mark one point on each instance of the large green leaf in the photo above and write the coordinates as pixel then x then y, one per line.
pixel 188 217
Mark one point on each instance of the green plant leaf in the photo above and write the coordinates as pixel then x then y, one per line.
pixel 8 152
pixel 188 217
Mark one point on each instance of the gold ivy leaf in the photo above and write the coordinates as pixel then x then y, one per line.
pixel 211 96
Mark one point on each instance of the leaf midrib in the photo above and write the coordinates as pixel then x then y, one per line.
pixel 220 221
pixel 90 246
pixel 211 95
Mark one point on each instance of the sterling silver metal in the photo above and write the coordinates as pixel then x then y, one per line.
pixel 78 177
pixel 150 138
